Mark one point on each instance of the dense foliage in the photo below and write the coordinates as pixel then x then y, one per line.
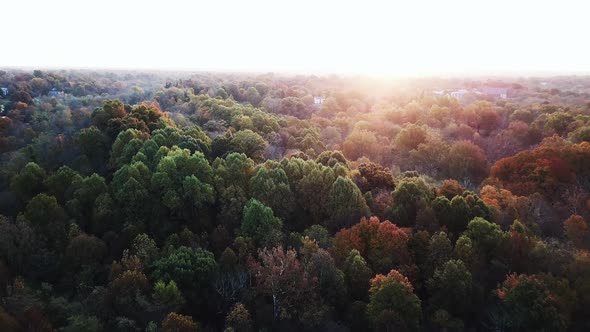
pixel 202 202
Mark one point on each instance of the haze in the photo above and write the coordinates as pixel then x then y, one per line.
pixel 367 37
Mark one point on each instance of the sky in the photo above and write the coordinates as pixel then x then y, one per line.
pixel 381 38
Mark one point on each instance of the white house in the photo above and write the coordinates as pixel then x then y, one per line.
pixel 55 93
pixel 318 100
pixel 496 92
pixel 459 93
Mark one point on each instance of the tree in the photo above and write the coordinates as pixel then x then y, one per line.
pixel 466 162
pixel 451 287
pixel 28 182
pixel 60 184
pixel 313 191
pixel 179 323
pixel 18 244
pixel 321 267
pixel 356 275
pixel 271 187
pixel 260 224
pixel 410 138
pixel 81 323
pixel 550 169
pixel 485 236
pixel 144 247
pixel 167 295
pixel 280 275
pixel 440 250
pixel 460 214
pixel 579 135
pixel 536 302
pixel 126 145
pixel 235 169
pixel 250 143
pixel 375 176
pixel 49 220
pixel 578 273
pixel 130 187
pixel 450 188
pixel 464 250
pixel 320 235
pixel 575 229
pixel 559 122
pixel 346 203
pixel 443 211
pixel 253 96
pixel 192 269
pixel 95 146
pixel 410 194
pixel 232 200
pixel 238 319
pixel 293 106
pixel 111 109
pixel 393 304
pixel 332 158
pixel 86 252
pixel 126 291
pixel 360 143
pixel 383 244
pixel 184 183
pixel 86 192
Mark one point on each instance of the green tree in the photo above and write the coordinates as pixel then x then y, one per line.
pixel 130 187
pixel 393 305
pixel 451 287
pixel 460 214
pixel 49 220
pixel 331 282
pixel 232 183
pixel 440 250
pixel 184 183
pixel 313 191
pixel 127 144
pixel 167 295
pixel 94 145
pixel 28 182
pixel 536 302
pixel 442 210
pixel 144 247
pixel 356 275
pixel 85 194
pixel 192 269
pixel 260 224
pixel 253 96
pixel 466 162
pixel 18 244
pixel 81 323
pixel 60 183
pixel 320 235
pixel 486 237
pixel 271 187
pixel 250 143
pixel 346 204
pixel 409 195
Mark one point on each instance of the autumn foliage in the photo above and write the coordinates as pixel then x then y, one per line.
pixel 383 244
pixel 176 201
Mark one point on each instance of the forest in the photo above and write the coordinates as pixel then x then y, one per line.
pixel 194 201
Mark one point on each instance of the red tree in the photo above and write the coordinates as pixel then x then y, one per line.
pixel 280 275
pixel 382 244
